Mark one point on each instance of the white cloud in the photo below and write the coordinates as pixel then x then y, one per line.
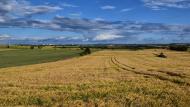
pixel 108 7
pixel 4 37
pixel 76 14
pixel 89 28
pixel 162 4
pixel 107 36
pixel 69 5
pixel 99 19
pixel 30 10
pixel 2 19
pixel 126 9
pixel 18 8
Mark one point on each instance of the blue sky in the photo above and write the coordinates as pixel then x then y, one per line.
pixel 95 21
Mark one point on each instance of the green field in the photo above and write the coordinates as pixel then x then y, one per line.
pixel 23 56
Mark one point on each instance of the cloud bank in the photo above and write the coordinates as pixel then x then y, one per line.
pixel 95 30
pixel 10 9
pixel 162 4
pixel 18 14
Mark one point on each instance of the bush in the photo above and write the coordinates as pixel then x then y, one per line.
pixel 31 47
pixel 86 51
pixel 81 48
pixel 7 46
pixel 161 55
pixel 40 46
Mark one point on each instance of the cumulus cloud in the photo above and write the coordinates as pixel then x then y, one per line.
pixel 99 19
pixel 32 10
pixel 2 19
pixel 107 36
pixel 91 29
pixel 76 14
pixel 126 9
pixel 69 5
pixel 162 4
pixel 4 36
pixel 108 7
pixel 100 29
pixel 22 8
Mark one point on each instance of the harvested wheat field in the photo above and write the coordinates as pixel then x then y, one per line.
pixel 104 78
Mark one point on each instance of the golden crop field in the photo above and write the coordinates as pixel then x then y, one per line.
pixel 108 78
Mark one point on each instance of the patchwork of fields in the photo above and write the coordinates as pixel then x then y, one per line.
pixel 104 78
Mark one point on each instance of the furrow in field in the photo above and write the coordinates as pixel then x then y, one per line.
pixel 132 69
pixel 148 63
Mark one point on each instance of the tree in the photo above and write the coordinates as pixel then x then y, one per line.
pixel 40 46
pixel 178 47
pixel 162 55
pixel 87 51
pixel 31 47
pixel 7 46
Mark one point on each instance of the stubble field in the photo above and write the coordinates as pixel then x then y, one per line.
pixel 104 78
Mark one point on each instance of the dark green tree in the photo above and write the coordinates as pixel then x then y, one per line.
pixel 31 47
pixel 87 51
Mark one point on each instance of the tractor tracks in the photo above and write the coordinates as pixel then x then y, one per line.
pixel 123 67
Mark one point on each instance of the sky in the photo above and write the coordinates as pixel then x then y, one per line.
pixel 94 21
